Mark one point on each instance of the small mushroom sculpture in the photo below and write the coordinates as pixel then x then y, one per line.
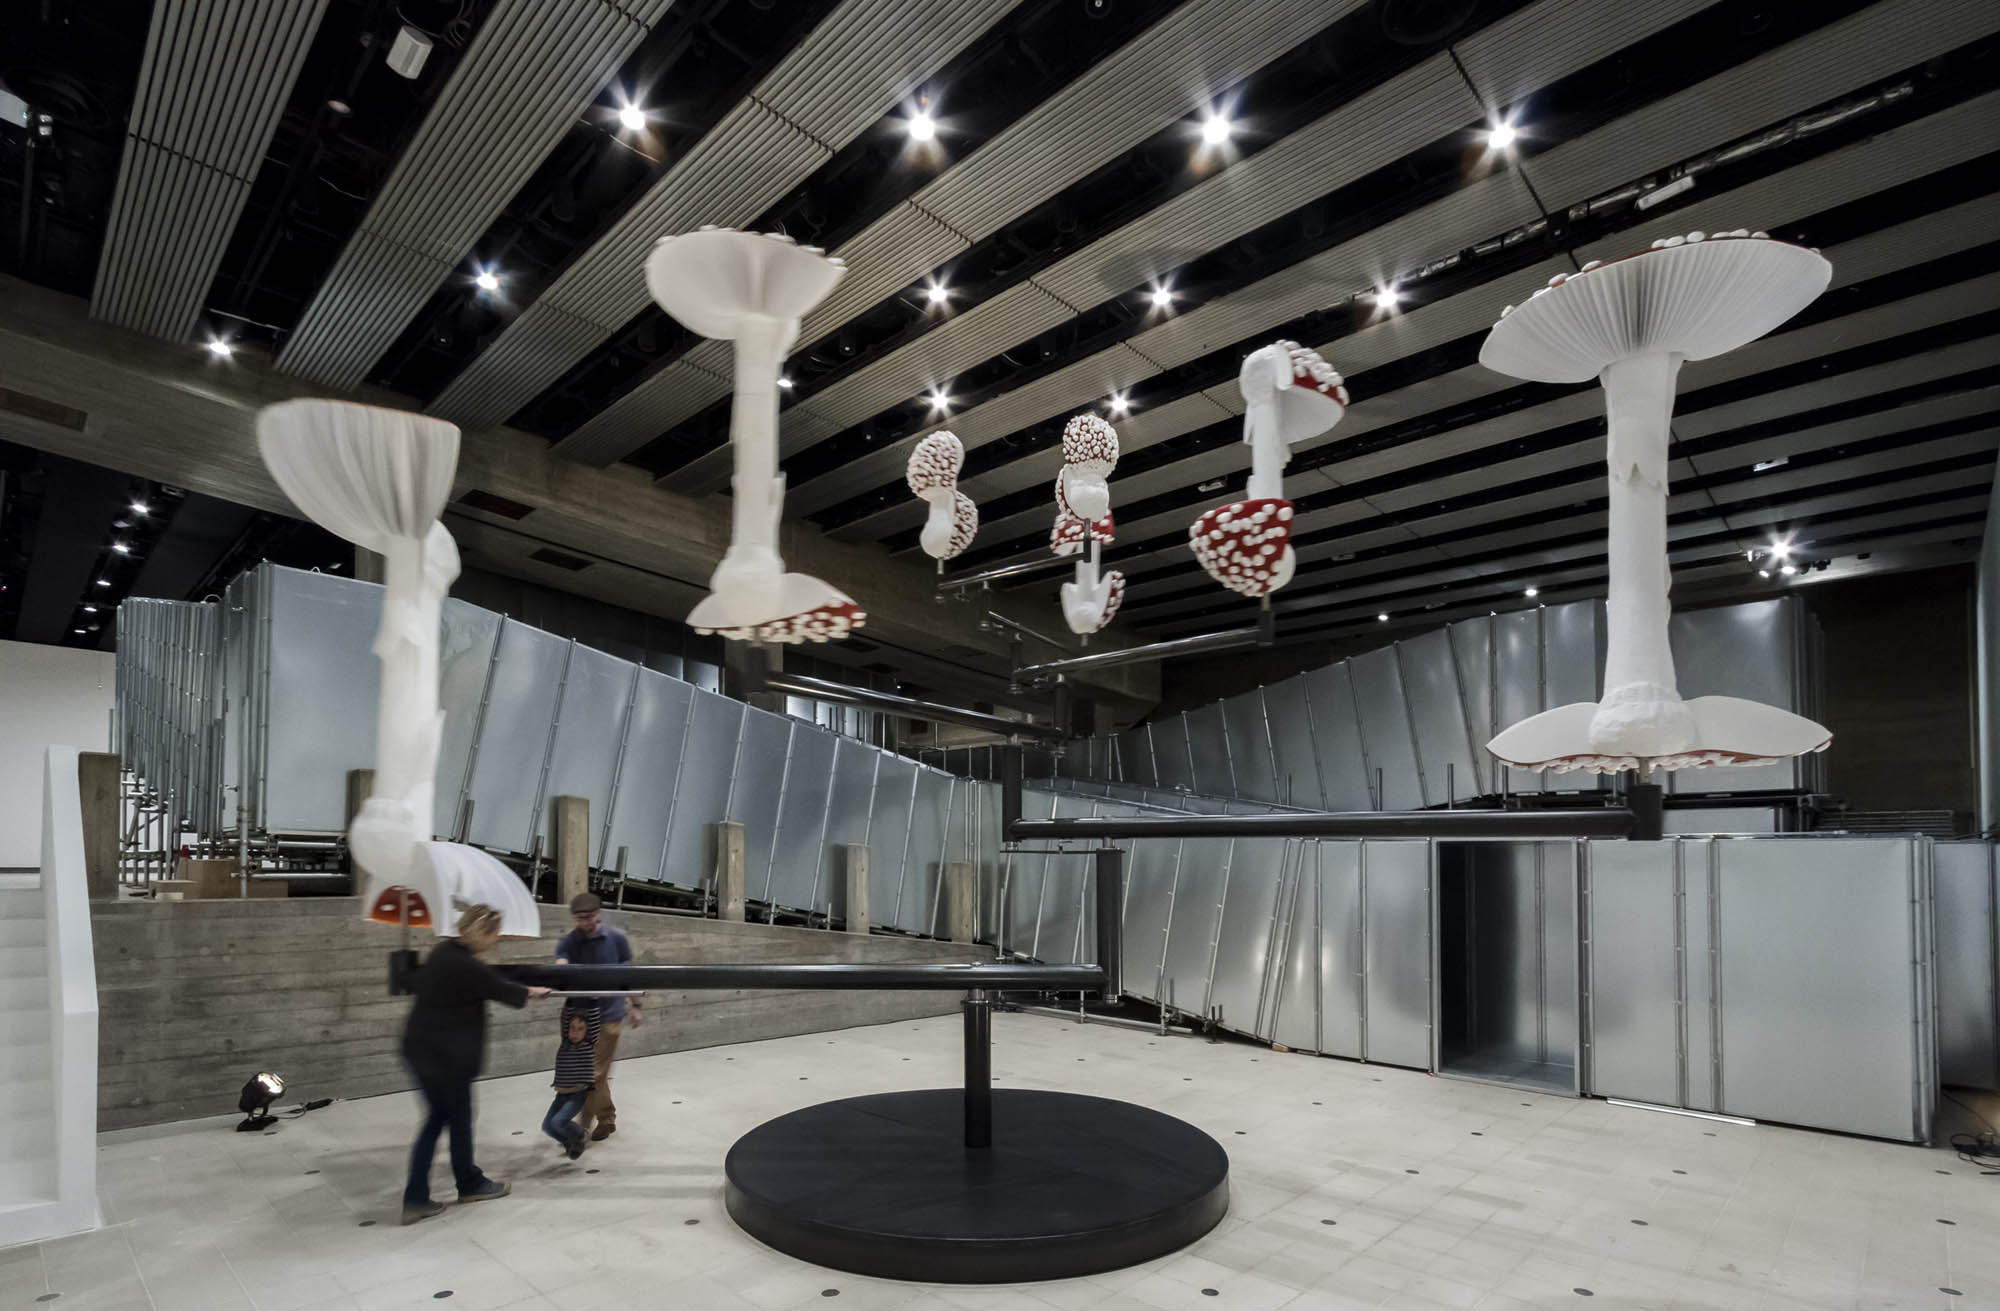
pixel 1290 395
pixel 379 478
pixel 1630 323
pixel 932 474
pixel 1083 497
pixel 752 289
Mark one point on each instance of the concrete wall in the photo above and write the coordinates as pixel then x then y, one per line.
pixel 49 695
pixel 1987 669
pixel 196 997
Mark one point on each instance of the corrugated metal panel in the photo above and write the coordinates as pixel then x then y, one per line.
pixel 212 84
pixel 853 68
pixel 643 413
pixel 887 256
pixel 1532 47
pixel 533 68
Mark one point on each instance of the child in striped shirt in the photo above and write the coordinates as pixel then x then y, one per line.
pixel 576 1075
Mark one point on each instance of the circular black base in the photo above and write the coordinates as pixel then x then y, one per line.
pixel 885 1186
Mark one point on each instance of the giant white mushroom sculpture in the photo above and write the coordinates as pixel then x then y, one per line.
pixel 932 474
pixel 1290 394
pixel 379 479
pixel 1083 510
pixel 1630 323
pixel 752 288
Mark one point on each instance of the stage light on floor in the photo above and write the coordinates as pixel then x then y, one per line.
pixel 255 1101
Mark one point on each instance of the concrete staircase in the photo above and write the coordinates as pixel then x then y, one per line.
pixel 27 1050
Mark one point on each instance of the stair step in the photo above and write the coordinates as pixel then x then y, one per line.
pixel 23 1027
pixel 22 931
pixel 28 1137
pixel 24 994
pixel 29 1096
pixel 24 962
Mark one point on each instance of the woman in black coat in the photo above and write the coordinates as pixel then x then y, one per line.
pixel 444 1043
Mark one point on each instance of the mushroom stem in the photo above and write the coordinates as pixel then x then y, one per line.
pixel 937 530
pixel 408 723
pixel 1267 451
pixel 759 490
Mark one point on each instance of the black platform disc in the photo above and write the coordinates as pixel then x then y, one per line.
pixel 884 1186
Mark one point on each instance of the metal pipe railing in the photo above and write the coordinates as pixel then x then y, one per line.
pixel 869 699
pixel 1445 825
pixel 1232 639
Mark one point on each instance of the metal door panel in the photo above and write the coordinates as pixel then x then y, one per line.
pixel 1573 651
pixel 1437 712
pixel 1397 950
pixel 796 854
pixel 1065 889
pixel 1022 873
pixel 514 737
pixel 1385 728
pixel 1294 1005
pixel 1250 746
pixel 1634 971
pixel 649 781
pixel 1818 996
pixel 889 836
pixel 1968 1009
pixel 1292 744
pixel 754 794
pixel 1135 756
pixel 701 796
pixel 1345 777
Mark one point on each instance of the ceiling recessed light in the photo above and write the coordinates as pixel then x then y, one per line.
pixel 937 293
pixel 76 630
pixel 1215 129
pixel 1162 298
pixel 1788 569
pixel 785 381
pixel 90 609
pixel 486 280
pixel 1501 136
pixel 121 548
pixel 1532 592
pixel 1763 573
pixel 219 348
pixel 340 107
pixel 921 126
pixel 1382 619
pixel 1387 298
pixel 104 582
pixel 140 507
pixel 1120 403
pixel 939 400
pixel 632 118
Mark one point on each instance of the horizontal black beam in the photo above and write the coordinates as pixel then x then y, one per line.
pixel 847 694
pixel 1010 978
pixel 1442 824
pixel 1233 639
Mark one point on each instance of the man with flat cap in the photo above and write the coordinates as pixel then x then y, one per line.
pixel 593 942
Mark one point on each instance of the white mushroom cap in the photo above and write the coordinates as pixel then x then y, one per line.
pixel 709 280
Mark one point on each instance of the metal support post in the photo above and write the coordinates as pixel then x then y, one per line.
pixel 978 1007
pixel 1110 925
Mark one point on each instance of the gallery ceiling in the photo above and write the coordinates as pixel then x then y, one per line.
pixel 1116 201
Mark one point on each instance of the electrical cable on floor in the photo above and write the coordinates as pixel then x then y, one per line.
pixel 1980 1149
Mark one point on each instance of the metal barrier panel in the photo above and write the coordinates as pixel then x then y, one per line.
pixel 1208 748
pixel 511 753
pixel 1385 729
pixel 1135 756
pixel 762 774
pixel 589 724
pixel 1170 754
pixel 1344 774
pixel 1250 746
pixel 1820 992
pixel 1290 720
pixel 1748 651
pixel 850 806
pixel 1396 920
pixel 701 797
pixel 1701 973
pixel 469 638
pixel 1021 876
pixel 1472 653
pixel 1204 883
pixel 648 782
pixel 1150 871
pixel 1250 907
pixel 1293 1007
pixel 985 799
pixel 1342 946
pixel 1573 670
pixel 1968 976
pixel 797 850
pixel 321 668
pixel 1634 970
pixel 1518 686
pixel 1065 889
pixel 1437 715
pixel 930 839
pixel 889 835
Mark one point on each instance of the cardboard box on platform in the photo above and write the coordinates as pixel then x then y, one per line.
pixel 214 880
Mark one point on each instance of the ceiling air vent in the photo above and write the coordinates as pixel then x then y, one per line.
pixel 35 407
pixel 559 559
pixel 491 504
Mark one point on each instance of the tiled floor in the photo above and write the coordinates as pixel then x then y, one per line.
pixel 1353 1186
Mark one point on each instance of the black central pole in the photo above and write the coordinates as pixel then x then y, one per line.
pixel 1110 925
pixel 978 1070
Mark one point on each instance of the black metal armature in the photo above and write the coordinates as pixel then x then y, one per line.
pixel 868 699
pixel 1232 639
pixel 1442 824
pixel 1043 565
pixel 614 978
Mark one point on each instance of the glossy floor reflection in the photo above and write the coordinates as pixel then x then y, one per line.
pixel 1353 1186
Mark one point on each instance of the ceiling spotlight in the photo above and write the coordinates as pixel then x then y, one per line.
pixel 1120 403
pixel 1532 592
pixel 486 280
pixel 220 349
pixel 1162 298
pixel 76 630
pixel 785 381
pixel 140 507
pixel 939 400
pixel 1387 298
pixel 1763 573
pixel 1382 619
pixel 937 293
pixel 104 582
pixel 632 118
pixel 1781 549
pixel 121 548
pixel 1501 136
pixel 1788 569
pixel 1215 129
pixel 921 126
pixel 340 107
pixel 90 609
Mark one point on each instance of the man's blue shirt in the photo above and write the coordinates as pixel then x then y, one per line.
pixel 609 947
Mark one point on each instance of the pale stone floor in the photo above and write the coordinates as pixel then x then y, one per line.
pixel 1353 1186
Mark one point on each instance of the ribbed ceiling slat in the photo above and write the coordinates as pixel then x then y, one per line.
pixel 854 67
pixel 534 67
pixel 212 86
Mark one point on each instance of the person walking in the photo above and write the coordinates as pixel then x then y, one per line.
pixel 444 1044
pixel 593 942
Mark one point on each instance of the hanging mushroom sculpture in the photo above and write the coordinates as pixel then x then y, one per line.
pixel 753 288
pixel 1083 511
pixel 932 474
pixel 1290 394
pixel 379 479
pixel 1630 323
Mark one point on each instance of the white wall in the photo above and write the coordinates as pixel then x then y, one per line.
pixel 49 696
pixel 1987 671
